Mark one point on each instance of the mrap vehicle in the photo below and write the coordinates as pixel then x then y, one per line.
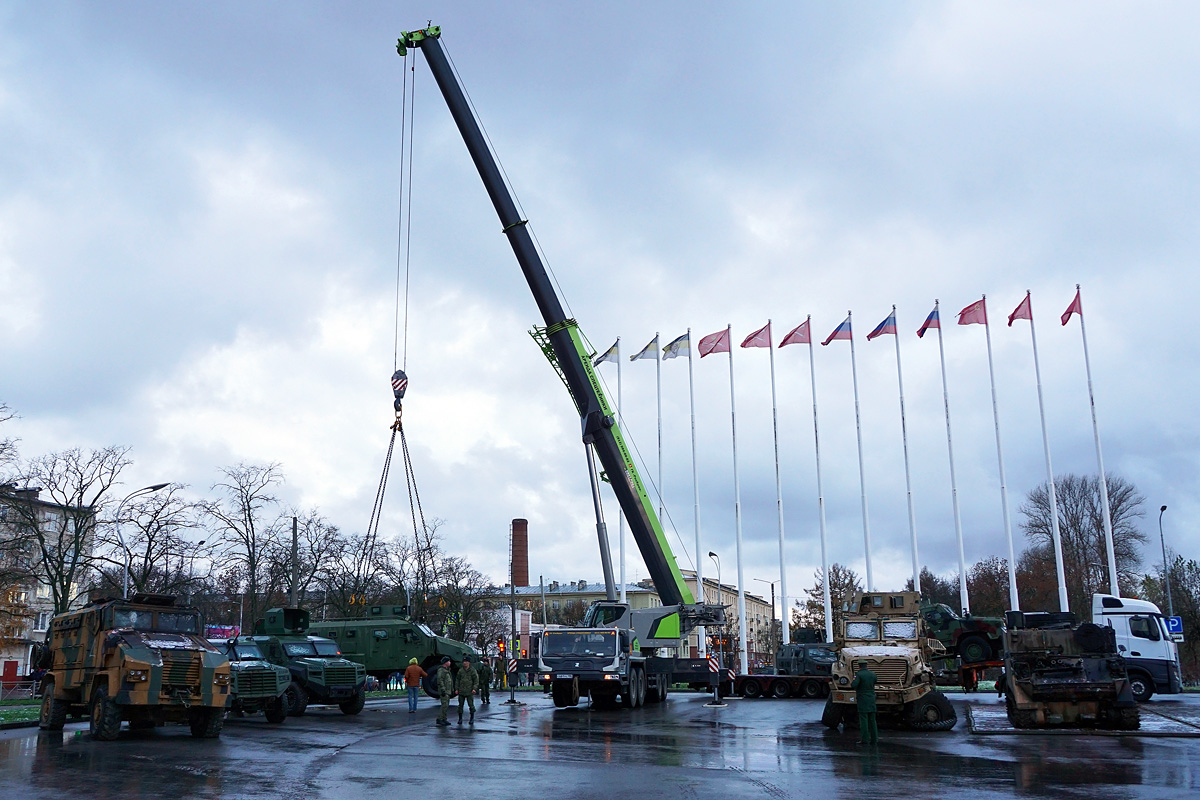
pixel 142 660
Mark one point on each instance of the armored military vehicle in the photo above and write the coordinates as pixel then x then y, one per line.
pixel 141 660
pixel 884 631
pixel 801 670
pixel 385 639
pixel 973 639
pixel 258 685
pixel 1059 673
pixel 320 675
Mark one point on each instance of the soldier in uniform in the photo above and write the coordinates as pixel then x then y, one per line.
pixel 868 727
pixel 485 681
pixel 445 687
pixel 468 682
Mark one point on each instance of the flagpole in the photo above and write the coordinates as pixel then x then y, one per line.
pixel 658 387
pixel 963 600
pixel 1012 558
pixel 826 598
pixel 862 476
pixel 737 518
pixel 912 516
pixel 783 594
pixel 1063 603
pixel 700 595
pixel 621 516
pixel 1114 587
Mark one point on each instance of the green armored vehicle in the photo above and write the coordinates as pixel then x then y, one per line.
pixel 320 675
pixel 973 639
pixel 141 660
pixel 258 685
pixel 386 639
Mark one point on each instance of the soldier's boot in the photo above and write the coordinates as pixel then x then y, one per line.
pixel 472 720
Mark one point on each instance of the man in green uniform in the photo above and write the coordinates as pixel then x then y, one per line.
pixel 445 687
pixel 864 685
pixel 485 681
pixel 468 682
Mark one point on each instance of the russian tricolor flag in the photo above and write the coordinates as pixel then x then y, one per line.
pixel 887 326
pixel 840 332
pixel 932 321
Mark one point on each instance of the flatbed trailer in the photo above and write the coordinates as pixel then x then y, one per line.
pixel 970 674
pixel 782 686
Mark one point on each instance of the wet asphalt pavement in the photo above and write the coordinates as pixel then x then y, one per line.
pixel 752 748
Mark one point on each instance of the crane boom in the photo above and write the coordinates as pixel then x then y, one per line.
pixel 598 423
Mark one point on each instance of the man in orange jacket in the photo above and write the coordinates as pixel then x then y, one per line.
pixel 412 681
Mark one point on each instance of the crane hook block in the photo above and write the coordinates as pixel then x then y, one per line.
pixel 399 384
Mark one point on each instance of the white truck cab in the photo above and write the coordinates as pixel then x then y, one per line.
pixel 1151 656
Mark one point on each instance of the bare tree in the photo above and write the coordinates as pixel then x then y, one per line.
pixel 810 609
pixel 355 575
pixel 8 447
pixel 152 542
pixel 239 519
pixel 937 589
pixel 461 594
pixel 53 517
pixel 1081 526
pixel 1185 598
pixel 319 542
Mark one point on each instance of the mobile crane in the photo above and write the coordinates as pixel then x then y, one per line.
pixel 615 652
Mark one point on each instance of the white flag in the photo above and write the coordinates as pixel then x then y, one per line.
pixel 611 354
pixel 678 347
pixel 649 351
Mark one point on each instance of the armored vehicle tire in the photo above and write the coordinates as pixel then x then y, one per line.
pixel 974 649
pixel 1141 686
pixel 831 717
pixel 354 704
pixel 104 723
pixel 429 682
pixel 810 689
pixel 932 712
pixel 206 723
pixel 781 689
pixel 54 712
pixel 296 699
pixel 276 710
pixel 751 688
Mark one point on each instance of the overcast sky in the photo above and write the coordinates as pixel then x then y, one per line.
pixel 198 249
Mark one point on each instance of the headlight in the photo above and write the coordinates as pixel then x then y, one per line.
pixel 221 679
pixel 136 675
pixel 843 681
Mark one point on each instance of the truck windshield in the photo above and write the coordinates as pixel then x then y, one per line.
pixel 299 649
pixel 862 630
pixel 327 648
pixel 425 629
pixel 822 655
pixel 247 652
pixel 566 643
pixel 900 629
pixel 166 622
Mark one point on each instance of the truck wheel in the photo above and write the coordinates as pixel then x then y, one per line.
pixel 932 712
pixel 354 704
pixel 105 720
pixel 296 699
pixel 655 690
pixel 831 717
pixel 974 649
pixel 811 689
pixel 54 712
pixel 1141 687
pixel 206 723
pixel 751 688
pixel 781 689
pixel 276 710
pixel 640 698
pixel 565 693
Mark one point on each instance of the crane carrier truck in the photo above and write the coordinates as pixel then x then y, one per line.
pixel 616 651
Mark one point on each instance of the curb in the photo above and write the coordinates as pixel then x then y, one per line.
pixel 1195 734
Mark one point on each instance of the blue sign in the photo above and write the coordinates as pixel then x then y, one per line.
pixel 1174 624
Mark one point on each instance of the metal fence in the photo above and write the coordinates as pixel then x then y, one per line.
pixel 18 690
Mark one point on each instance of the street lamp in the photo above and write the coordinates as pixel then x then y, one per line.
pixel 191 568
pixel 721 648
pixel 121 539
pixel 764 580
pixel 1166 567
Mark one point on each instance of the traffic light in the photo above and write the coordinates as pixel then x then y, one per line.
pixel 500 645
pixel 523 652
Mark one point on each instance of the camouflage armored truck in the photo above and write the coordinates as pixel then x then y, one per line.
pixel 258 685
pixel 885 632
pixel 320 675
pixel 386 639
pixel 141 660
pixel 1060 673
pixel 973 639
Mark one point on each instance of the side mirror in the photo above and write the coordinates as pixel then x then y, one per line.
pixel 1121 647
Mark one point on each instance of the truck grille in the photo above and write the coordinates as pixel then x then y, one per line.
pixel 340 676
pixel 256 683
pixel 180 669
pixel 889 671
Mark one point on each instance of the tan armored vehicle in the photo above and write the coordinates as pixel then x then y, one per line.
pixel 143 660
pixel 884 631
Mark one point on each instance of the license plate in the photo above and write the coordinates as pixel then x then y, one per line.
pixel 563 676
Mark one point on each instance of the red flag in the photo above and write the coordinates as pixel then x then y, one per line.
pixel 714 343
pixel 1076 307
pixel 800 335
pixel 1023 311
pixel 974 313
pixel 760 338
